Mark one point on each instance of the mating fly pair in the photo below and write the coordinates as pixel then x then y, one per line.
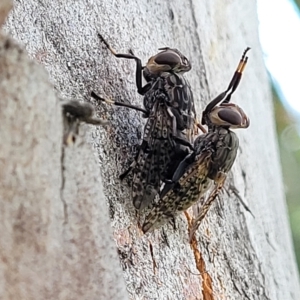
pixel 171 121
pixel 207 166
pixel 189 168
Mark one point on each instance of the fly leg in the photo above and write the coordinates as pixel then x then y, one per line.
pixel 237 75
pixel 96 97
pixel 236 193
pixel 142 148
pixel 139 68
pixel 231 87
pixel 207 204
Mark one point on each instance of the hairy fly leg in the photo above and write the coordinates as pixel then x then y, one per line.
pixel 139 68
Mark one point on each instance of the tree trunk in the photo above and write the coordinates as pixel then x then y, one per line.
pixel 57 241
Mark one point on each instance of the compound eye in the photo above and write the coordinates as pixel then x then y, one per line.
pixel 230 116
pixel 168 58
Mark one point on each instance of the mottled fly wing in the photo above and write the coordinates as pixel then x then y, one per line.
pixel 170 128
pixel 179 194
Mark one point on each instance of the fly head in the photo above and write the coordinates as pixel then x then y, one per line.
pixel 228 115
pixel 168 60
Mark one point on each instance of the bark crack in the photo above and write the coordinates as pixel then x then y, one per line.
pixel 62 186
pixel 207 288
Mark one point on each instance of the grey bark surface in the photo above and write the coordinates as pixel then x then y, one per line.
pixel 57 241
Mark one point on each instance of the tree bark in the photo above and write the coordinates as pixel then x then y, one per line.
pixel 57 242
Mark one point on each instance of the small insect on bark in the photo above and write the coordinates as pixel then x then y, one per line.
pixel 75 112
pixel 171 121
pixel 207 166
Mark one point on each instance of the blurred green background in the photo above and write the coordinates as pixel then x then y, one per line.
pixel 289 146
pixel 281 44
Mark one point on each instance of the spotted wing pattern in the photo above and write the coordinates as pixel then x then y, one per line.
pixel 176 196
pixel 214 155
pixel 170 125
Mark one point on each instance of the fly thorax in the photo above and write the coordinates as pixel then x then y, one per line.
pixel 155 94
pixel 225 152
pixel 180 92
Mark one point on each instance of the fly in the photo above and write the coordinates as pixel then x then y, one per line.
pixel 171 121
